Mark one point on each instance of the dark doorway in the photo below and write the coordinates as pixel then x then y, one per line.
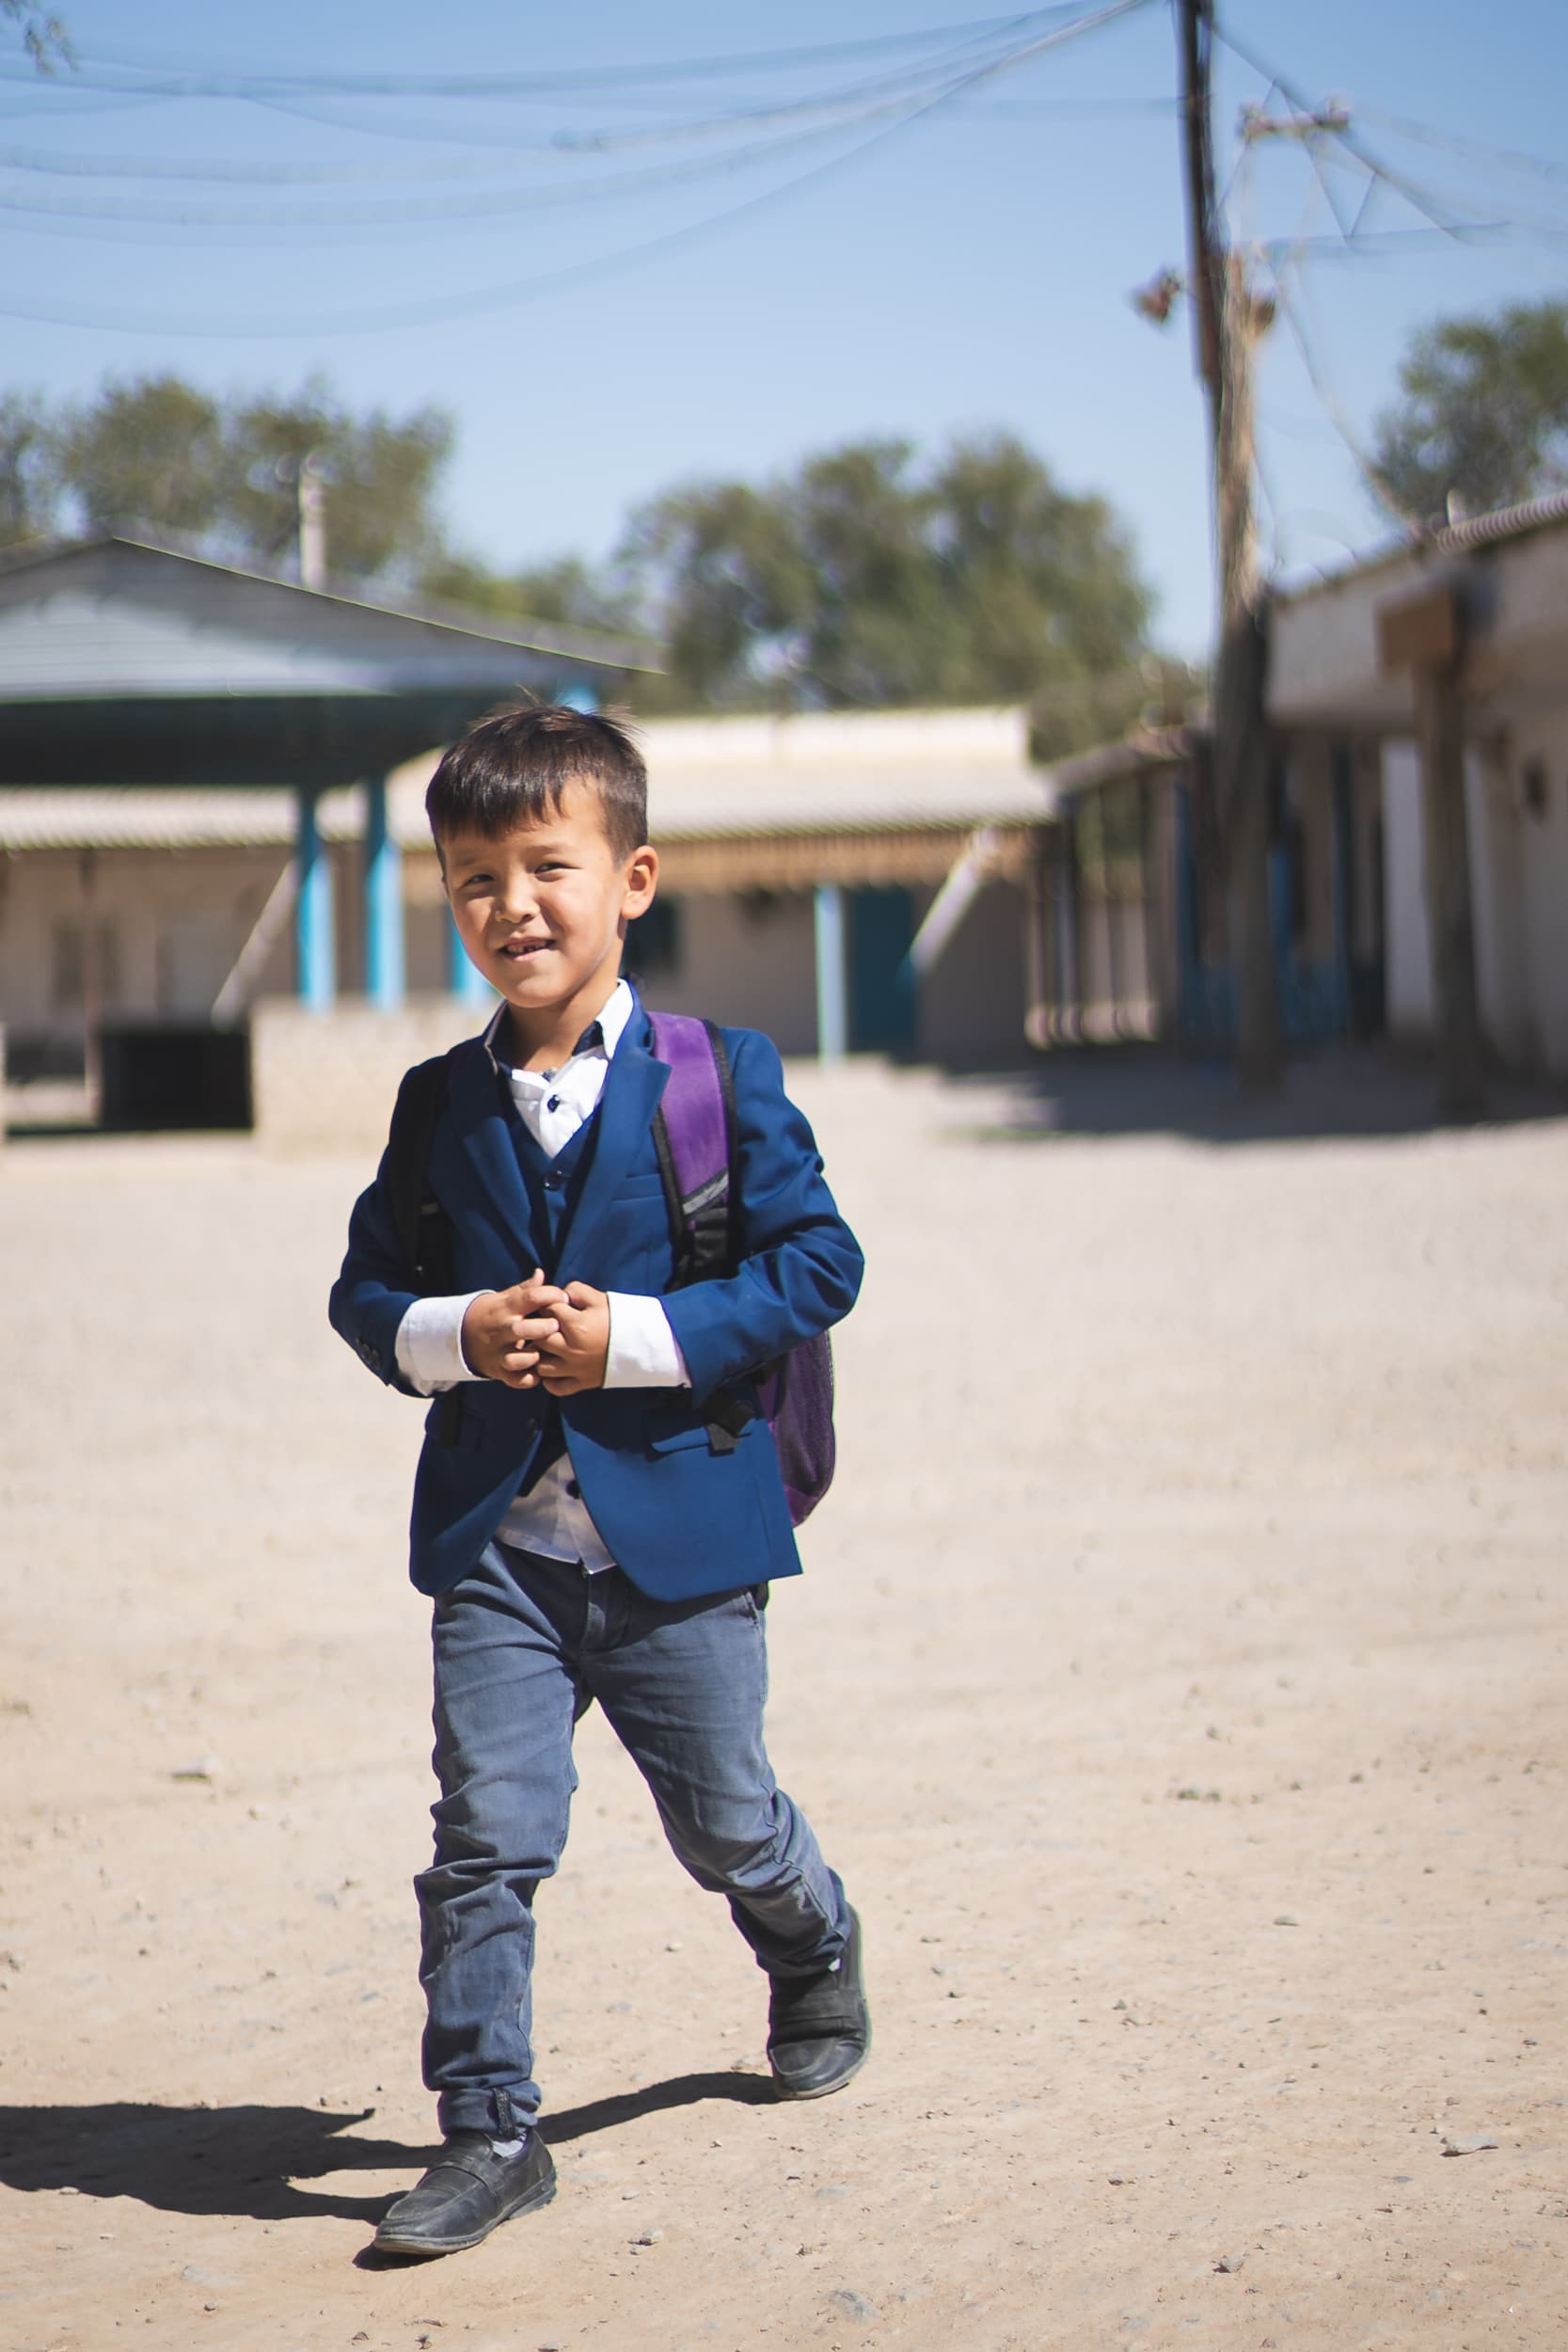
pixel 882 997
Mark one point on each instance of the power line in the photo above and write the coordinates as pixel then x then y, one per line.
pixel 437 308
pixel 1316 376
pixel 1457 143
pixel 182 81
pixel 1433 207
pixel 436 211
pixel 559 147
pixel 828 115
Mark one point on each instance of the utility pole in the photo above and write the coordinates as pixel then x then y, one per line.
pixel 310 493
pixel 1227 321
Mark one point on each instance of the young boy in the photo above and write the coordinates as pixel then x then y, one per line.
pixel 582 1533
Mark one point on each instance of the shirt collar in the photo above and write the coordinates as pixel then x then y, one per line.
pixel 602 1034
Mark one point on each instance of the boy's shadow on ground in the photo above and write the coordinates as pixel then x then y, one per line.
pixel 248 2160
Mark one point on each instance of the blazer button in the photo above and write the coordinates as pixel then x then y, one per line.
pixel 574 1490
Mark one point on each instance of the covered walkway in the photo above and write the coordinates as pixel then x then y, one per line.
pixel 124 664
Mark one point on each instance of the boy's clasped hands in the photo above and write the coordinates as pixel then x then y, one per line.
pixel 537 1336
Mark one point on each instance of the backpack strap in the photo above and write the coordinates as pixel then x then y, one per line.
pixel 423 1228
pixel 694 1138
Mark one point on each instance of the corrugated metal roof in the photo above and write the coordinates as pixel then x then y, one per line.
pixel 818 771
pixel 118 616
pixel 1478 530
pixel 708 780
pixel 139 820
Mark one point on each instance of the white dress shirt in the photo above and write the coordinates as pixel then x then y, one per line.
pixel 644 1353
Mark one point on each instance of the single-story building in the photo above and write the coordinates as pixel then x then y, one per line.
pixel 137 680
pixel 858 883
pixel 1432 913
pixel 1458 643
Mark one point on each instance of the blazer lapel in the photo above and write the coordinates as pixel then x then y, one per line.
pixel 633 1088
pixel 482 1133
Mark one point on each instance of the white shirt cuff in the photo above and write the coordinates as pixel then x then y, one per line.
pixel 643 1352
pixel 429 1345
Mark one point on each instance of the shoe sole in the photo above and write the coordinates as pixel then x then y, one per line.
pixel 825 2090
pixel 531 2203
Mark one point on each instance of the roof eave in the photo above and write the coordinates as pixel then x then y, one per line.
pixel 598 652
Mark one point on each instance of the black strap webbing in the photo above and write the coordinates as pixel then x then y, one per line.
pixel 421 1225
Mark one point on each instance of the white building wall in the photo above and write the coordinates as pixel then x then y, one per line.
pixel 747 960
pixel 751 960
pixel 1519 887
pixel 972 1006
pixel 1497 881
pixel 171 923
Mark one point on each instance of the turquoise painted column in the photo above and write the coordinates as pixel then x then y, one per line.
pixel 462 978
pixel 386 978
pixel 832 974
pixel 316 953
pixel 1187 961
pixel 1342 849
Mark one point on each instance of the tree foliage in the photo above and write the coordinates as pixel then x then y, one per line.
pixel 27 467
pixel 568 591
pixel 866 577
pixel 156 455
pixel 43 37
pixel 1481 421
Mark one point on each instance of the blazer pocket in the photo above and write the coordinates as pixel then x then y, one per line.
pixel 663 1434
pixel 677 1433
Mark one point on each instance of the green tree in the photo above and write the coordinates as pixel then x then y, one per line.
pixel 865 579
pixel 44 36
pixel 725 584
pixel 150 455
pixel 1481 421
pixel 380 472
pixel 28 498
pixel 568 591
pixel 156 454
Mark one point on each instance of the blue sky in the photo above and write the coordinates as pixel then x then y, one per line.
pixel 970 270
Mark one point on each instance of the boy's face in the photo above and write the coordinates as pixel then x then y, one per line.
pixel 542 909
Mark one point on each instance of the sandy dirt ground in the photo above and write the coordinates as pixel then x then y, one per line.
pixel 1178 1682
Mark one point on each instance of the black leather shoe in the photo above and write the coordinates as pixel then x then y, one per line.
pixel 819 2028
pixel 466 2194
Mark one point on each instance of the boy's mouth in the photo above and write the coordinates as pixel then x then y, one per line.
pixel 520 950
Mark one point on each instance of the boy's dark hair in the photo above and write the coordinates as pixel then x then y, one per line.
pixel 513 768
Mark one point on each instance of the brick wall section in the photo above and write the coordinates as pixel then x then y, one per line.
pixel 326 1082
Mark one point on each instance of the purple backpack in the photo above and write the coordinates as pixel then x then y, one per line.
pixel 694 1137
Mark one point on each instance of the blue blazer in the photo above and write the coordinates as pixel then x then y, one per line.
pixel 681 1518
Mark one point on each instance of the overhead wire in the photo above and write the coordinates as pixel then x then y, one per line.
pixel 182 81
pixel 430 214
pixel 435 309
pixel 253 172
pixel 434 212
pixel 1323 140
pixel 1433 206
pixel 1458 143
pixel 1316 376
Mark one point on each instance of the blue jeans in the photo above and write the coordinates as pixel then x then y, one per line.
pixel 522 1646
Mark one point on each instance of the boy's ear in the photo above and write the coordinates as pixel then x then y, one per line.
pixel 641 882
